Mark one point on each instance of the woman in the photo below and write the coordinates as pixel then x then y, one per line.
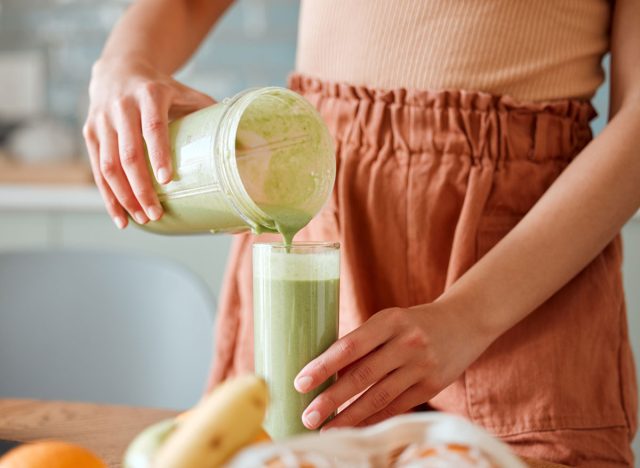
pixel 479 224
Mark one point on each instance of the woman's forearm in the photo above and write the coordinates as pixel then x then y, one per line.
pixel 163 33
pixel 575 219
pixel 402 357
pixel 579 214
pixel 133 96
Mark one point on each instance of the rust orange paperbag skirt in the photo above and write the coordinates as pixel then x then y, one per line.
pixel 427 183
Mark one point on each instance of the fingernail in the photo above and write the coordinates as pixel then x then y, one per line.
pixel 312 419
pixel 119 222
pixel 154 212
pixel 303 383
pixel 164 175
pixel 140 217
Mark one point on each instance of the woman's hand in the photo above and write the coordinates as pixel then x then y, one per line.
pixel 131 102
pixel 399 358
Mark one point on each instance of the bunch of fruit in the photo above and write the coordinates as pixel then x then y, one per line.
pixel 225 421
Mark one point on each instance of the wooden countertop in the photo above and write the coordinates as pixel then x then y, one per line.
pixel 106 430
pixel 48 187
pixel 73 172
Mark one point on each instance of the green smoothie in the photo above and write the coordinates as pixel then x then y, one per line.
pixel 295 320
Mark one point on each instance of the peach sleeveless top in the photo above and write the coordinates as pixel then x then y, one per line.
pixel 531 50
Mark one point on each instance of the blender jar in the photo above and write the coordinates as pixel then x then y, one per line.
pixel 262 160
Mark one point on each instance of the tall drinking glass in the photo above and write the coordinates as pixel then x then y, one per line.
pixel 295 297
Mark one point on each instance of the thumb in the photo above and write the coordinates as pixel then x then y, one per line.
pixel 187 100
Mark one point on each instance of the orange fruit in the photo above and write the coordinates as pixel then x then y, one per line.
pixel 50 454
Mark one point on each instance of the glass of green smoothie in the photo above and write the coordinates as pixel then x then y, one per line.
pixel 295 298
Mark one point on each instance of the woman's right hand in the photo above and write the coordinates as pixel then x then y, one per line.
pixel 131 103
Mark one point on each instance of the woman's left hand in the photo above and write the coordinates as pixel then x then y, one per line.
pixel 400 358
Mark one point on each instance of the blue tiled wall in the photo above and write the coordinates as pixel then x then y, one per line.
pixel 253 45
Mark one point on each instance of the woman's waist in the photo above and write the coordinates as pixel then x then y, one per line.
pixel 570 81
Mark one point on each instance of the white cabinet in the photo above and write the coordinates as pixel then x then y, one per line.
pixel 87 226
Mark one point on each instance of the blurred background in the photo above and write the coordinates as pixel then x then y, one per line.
pixel 49 209
pixel 47 48
pixel 48 204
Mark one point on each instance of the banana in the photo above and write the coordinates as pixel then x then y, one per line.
pixel 222 423
pixel 142 450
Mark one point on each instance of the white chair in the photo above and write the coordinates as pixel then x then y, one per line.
pixel 103 327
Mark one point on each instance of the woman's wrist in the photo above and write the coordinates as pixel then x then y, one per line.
pixel 474 311
pixel 119 61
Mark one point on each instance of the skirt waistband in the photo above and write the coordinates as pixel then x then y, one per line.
pixel 467 123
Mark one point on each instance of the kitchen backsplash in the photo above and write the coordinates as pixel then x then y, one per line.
pixel 253 45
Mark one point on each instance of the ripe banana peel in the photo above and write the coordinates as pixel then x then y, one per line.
pixel 228 419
